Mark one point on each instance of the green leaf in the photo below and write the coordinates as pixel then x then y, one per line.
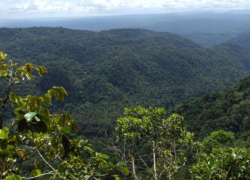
pixel 37 119
pixel 65 130
pixel 18 112
pixel 14 177
pixel 45 118
pixel 124 169
pixel 87 176
pixel 4 133
pixel 121 164
pixel 88 148
pixel 29 116
pixel 12 98
pixel 36 172
pixel 105 156
pixel 79 138
pixel 6 152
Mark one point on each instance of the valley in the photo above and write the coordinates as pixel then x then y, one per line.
pixel 107 71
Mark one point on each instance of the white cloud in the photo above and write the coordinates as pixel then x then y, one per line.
pixel 41 8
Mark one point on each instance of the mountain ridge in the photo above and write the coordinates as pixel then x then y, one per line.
pixel 109 70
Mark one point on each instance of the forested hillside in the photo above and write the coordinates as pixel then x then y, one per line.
pixel 106 71
pixel 228 110
pixel 242 39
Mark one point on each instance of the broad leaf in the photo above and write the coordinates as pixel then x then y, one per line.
pixel 45 118
pixel 105 156
pixel 5 153
pixel 36 172
pixel 29 116
pixel 124 169
pixel 14 177
pixel 65 130
pixel 4 133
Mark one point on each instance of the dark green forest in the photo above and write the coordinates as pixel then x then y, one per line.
pixel 242 39
pixel 106 71
pixel 227 110
pixel 123 90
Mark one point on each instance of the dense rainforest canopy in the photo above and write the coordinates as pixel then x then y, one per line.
pixel 106 71
pixel 228 110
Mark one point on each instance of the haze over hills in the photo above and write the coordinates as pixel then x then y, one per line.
pixel 204 28
pixel 109 70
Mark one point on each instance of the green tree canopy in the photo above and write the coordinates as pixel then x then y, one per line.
pixel 166 138
pixel 39 143
pixel 223 164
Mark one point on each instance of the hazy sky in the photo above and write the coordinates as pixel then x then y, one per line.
pixel 82 8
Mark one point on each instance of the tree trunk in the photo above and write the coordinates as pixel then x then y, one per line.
pixel 133 167
pixel 154 159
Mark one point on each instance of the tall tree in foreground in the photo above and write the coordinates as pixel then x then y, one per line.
pixel 39 143
pixel 164 140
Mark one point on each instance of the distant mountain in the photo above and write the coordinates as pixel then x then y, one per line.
pixel 243 40
pixel 204 28
pixel 92 23
pixel 228 110
pixel 109 70
pixel 203 25
pixel 239 11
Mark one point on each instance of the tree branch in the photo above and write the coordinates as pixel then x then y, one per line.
pixel 154 159
pixel 7 94
pixel 47 162
pixel 45 174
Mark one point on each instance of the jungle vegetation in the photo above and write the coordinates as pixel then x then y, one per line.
pixel 147 73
